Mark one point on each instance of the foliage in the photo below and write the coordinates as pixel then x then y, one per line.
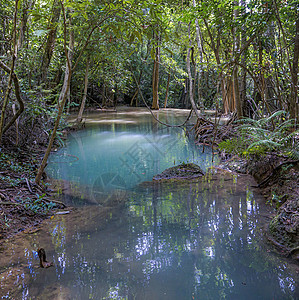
pixel 258 137
pixel 235 145
pixel 4 222
pixel 38 205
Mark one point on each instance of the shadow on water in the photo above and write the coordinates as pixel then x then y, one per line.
pixel 197 239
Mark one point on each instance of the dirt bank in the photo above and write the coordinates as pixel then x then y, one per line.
pixel 22 203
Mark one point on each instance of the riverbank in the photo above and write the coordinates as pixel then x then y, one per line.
pixel 278 182
pixel 24 205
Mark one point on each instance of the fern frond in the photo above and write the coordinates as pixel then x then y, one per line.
pixel 290 136
pixel 285 125
pixel 254 130
pixel 270 118
pixel 293 154
pixel 247 121
pixel 264 143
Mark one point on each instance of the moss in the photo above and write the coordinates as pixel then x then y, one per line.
pixel 183 171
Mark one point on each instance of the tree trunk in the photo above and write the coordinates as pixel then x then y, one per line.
pixel 238 103
pixel 246 110
pixel 293 106
pixel 49 48
pixel 136 93
pixel 167 90
pixel 61 101
pixel 156 76
pixel 11 72
pixel 104 96
pixel 133 98
pixel 27 6
pixel 79 118
pixel 200 71
pixel 216 49
pixel 18 97
pixel 237 94
pixel 190 76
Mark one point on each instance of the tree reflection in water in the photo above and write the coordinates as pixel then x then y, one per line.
pixel 172 241
pixel 191 240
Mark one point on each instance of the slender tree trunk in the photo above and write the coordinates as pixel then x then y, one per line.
pixel 27 6
pixel 156 76
pixel 61 101
pixel 103 96
pixel 17 123
pixel 18 97
pixel 79 118
pixel 200 71
pixel 245 107
pixel 136 93
pixel 237 93
pixel 238 103
pixel 9 85
pixel 68 101
pixel 133 98
pixel 216 49
pixel 293 107
pixel 190 76
pixel 167 90
pixel 49 47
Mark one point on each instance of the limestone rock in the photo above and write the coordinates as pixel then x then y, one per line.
pixel 183 171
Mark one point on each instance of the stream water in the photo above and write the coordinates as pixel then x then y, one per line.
pixel 198 239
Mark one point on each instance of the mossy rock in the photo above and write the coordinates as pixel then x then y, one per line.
pixel 183 171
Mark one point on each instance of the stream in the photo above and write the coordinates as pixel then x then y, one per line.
pixel 126 237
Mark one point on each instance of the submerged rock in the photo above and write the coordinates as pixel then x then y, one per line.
pixel 183 171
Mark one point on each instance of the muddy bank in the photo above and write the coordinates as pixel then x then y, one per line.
pixel 18 259
pixel 23 204
pixel 278 181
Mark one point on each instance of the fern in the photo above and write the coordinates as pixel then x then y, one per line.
pixel 258 137
pixel 267 144
pixel 293 154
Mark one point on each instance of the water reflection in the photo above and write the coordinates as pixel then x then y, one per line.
pixel 200 239
pixel 129 152
pixel 172 241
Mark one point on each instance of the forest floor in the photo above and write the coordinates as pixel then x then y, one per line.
pixel 23 205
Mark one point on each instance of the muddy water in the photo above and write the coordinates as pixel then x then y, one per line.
pixel 198 239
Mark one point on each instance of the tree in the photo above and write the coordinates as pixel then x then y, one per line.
pixel 51 39
pixel 62 98
pixel 79 118
pixel 155 104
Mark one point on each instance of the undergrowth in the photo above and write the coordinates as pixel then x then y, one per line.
pixel 259 137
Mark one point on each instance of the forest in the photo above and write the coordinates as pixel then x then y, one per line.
pixel 232 59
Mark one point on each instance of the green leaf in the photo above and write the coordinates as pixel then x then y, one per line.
pixel 116 31
pixel 153 56
pixel 137 33
pixel 166 37
pixel 132 37
pixel 132 52
pixel 169 51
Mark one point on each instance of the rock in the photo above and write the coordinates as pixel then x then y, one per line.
pixel 183 171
